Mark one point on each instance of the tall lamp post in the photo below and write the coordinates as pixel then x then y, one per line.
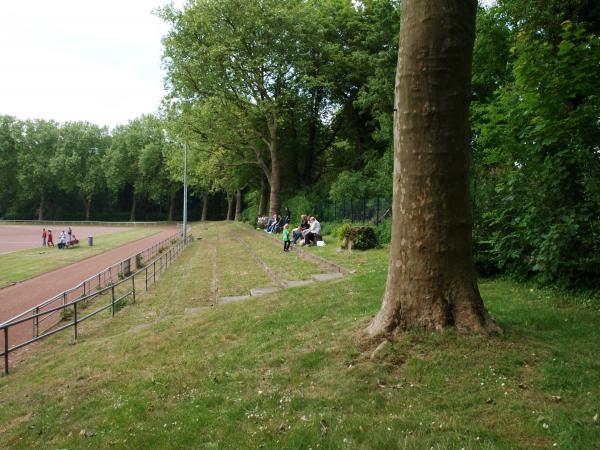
pixel 184 194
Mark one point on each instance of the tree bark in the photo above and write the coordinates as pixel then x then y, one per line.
pixel 171 207
pixel 41 208
pixel 274 199
pixel 238 205
pixel 204 207
pixel 262 204
pixel 229 206
pixel 309 154
pixel 132 213
pixel 88 207
pixel 431 280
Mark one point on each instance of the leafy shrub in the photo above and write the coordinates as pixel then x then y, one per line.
pixel 383 231
pixel 357 237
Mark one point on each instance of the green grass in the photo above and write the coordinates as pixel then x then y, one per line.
pixel 24 264
pixel 285 266
pixel 292 370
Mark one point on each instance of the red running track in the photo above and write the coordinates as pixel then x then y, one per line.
pixel 20 237
pixel 23 296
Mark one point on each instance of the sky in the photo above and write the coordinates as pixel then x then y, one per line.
pixel 80 60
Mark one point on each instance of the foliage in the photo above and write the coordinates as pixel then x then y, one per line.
pixel 312 82
pixel 539 143
pixel 357 237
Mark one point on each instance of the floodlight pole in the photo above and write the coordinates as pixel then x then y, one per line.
pixel 184 194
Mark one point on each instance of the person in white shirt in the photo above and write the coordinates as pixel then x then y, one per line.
pixel 313 231
pixel 62 240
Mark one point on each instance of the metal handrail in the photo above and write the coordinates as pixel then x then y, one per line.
pixel 168 256
pixel 150 251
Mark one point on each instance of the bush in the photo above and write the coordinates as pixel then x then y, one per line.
pixel 383 231
pixel 359 238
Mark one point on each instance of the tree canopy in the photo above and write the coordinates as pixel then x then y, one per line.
pixel 291 103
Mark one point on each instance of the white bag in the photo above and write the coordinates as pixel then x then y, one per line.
pixel 320 243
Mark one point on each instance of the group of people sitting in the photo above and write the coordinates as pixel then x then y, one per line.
pixel 275 223
pixel 309 229
pixel 65 240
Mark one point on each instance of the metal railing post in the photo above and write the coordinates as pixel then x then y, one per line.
pixel 75 319
pixel 36 322
pixel 112 289
pixel 146 278
pixel 154 272
pixel 133 287
pixel 5 349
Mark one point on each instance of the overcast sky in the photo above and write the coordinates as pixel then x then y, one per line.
pixel 93 60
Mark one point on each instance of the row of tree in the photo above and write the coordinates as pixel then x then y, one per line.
pixel 290 102
pixel 47 164
pixel 295 100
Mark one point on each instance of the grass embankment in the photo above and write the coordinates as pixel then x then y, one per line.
pixel 290 370
pixel 24 264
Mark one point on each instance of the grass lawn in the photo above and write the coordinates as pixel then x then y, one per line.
pixel 292 369
pixel 24 264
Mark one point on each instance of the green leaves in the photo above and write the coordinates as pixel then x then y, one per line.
pixel 538 142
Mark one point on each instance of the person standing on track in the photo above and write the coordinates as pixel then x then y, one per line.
pixel 50 242
pixel 62 238
pixel 44 235
pixel 69 234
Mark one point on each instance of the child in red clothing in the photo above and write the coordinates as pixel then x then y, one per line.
pixel 50 243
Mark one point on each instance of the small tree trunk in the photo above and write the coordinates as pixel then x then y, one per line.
pixel 171 207
pixel 431 280
pixel 88 207
pixel 275 169
pixel 41 207
pixel 229 207
pixel 238 205
pixel 204 207
pixel 132 214
pixel 309 154
pixel 262 205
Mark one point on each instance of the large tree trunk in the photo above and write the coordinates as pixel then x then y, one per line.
pixel 88 207
pixel 132 213
pixel 238 205
pixel 171 207
pixel 229 207
pixel 309 154
pixel 431 280
pixel 262 204
pixel 274 199
pixel 41 208
pixel 204 207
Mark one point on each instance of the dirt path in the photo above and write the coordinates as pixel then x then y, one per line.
pixel 25 295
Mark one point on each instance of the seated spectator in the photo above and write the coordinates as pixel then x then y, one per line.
pixel 262 222
pixel 313 233
pixel 74 240
pixel 304 225
pixel 274 223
